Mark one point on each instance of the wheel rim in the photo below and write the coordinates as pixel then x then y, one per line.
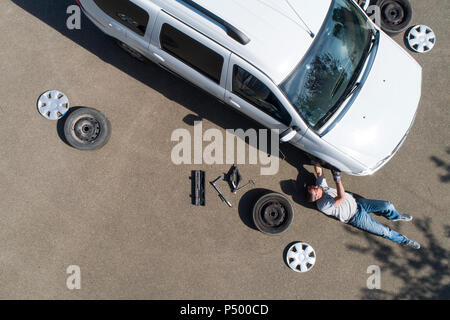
pixel 53 105
pixel 273 214
pixel 421 38
pixel 393 13
pixel 86 129
pixel 301 257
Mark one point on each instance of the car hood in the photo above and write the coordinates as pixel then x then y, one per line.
pixel 380 117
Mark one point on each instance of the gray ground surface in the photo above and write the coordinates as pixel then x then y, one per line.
pixel 123 213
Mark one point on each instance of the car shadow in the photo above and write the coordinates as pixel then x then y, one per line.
pixel 201 104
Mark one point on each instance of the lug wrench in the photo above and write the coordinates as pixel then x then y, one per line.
pixel 221 195
pixel 245 185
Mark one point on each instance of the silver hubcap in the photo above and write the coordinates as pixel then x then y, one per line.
pixel 421 38
pixel 53 104
pixel 301 257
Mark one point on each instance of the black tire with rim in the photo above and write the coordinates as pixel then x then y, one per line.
pixel 273 213
pixel 135 54
pixel 87 129
pixel 396 15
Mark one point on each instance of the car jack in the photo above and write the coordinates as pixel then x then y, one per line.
pixel 221 195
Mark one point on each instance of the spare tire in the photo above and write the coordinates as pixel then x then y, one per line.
pixel 273 213
pixel 87 129
pixel 396 15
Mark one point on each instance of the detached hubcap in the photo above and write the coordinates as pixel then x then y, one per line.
pixel 421 38
pixel 300 257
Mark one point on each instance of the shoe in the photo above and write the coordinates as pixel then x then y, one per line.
pixel 413 244
pixel 404 217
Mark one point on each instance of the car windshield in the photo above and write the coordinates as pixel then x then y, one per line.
pixel 329 70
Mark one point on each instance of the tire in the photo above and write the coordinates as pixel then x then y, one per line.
pixel 87 129
pixel 396 15
pixel 273 214
pixel 135 54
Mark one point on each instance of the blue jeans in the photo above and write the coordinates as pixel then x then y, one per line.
pixel 362 220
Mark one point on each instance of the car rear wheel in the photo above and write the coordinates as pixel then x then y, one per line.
pixel 273 214
pixel 396 15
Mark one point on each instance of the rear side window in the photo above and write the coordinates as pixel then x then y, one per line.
pixel 126 13
pixel 193 53
pixel 251 89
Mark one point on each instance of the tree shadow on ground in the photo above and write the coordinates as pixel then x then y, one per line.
pixel 444 165
pixel 424 273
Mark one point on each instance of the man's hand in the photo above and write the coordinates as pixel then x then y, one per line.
pixel 340 188
pixel 319 171
pixel 336 176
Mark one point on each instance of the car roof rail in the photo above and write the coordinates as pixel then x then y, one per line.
pixel 232 31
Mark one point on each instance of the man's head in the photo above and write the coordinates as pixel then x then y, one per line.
pixel 314 193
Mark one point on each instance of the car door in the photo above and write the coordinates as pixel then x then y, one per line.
pixel 189 54
pixel 103 13
pixel 251 92
pixel 139 18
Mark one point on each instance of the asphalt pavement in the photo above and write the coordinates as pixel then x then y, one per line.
pixel 123 215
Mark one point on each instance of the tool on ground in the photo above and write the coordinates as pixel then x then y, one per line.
pixel 234 178
pixel 250 182
pixel 221 195
pixel 198 187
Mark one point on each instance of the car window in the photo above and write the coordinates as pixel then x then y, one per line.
pixel 193 53
pixel 126 13
pixel 254 91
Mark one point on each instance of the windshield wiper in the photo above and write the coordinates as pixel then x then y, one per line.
pixel 338 83
pixel 354 84
pixel 341 100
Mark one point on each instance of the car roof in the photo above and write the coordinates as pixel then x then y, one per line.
pixel 279 38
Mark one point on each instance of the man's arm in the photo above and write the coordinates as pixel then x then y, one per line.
pixel 319 171
pixel 339 187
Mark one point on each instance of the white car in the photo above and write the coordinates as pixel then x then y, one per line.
pixel 320 71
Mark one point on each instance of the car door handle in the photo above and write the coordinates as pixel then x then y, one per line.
pixel 234 103
pixel 110 25
pixel 157 56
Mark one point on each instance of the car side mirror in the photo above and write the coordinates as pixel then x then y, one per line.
pixel 289 134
